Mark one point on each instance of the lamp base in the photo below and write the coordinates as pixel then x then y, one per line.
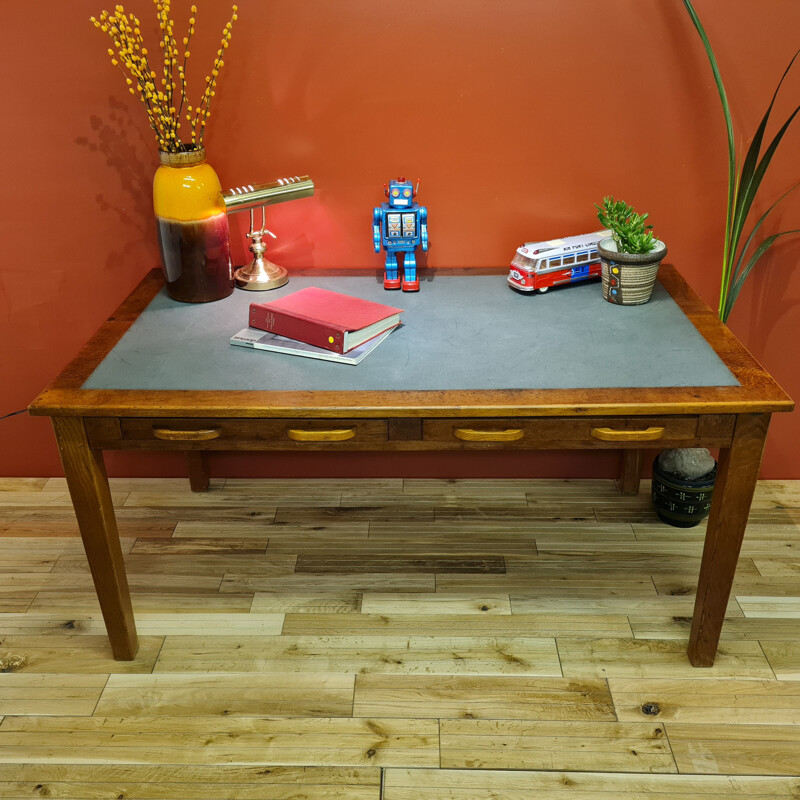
pixel 260 276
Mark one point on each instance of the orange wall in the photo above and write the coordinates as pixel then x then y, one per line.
pixel 516 115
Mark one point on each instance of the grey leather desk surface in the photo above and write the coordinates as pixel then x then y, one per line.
pixel 458 332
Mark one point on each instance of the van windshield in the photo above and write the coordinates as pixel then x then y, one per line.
pixel 523 262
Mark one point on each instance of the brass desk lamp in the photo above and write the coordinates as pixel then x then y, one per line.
pixel 261 274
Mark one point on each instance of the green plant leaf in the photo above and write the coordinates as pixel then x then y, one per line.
pixel 722 96
pixel 736 286
pixel 743 250
pixel 751 165
pixel 755 180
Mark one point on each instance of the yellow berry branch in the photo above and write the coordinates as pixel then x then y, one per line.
pixel 163 105
pixel 202 112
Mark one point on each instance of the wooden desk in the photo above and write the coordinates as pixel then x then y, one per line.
pixel 733 418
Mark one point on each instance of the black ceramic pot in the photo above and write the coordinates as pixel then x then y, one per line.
pixel 681 502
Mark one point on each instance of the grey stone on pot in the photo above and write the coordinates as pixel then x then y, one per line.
pixel 688 462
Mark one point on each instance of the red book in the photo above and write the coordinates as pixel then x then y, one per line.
pixel 326 319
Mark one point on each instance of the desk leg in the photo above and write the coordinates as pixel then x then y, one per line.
pixel 631 473
pixel 91 498
pixel 197 468
pixel 737 474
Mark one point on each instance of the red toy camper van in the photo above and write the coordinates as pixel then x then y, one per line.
pixel 539 265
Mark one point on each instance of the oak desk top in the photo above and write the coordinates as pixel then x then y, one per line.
pixel 469 346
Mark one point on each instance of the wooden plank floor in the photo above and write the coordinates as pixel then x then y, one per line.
pixel 395 639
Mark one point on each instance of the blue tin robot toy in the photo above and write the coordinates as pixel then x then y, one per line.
pixel 400 226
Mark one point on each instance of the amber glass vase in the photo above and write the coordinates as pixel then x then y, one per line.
pixel 192 228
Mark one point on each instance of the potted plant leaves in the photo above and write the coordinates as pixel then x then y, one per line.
pixel 630 256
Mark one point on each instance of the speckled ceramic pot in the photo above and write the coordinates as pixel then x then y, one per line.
pixel 628 278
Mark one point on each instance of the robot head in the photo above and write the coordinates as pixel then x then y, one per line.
pixel 400 193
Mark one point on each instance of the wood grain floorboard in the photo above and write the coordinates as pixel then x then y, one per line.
pixel 435 603
pixel 566 511
pixel 203 565
pixel 565 582
pixel 192 694
pixel 40 527
pixel 359 582
pixel 188 782
pixel 395 639
pixel 365 624
pixel 482 697
pixel 33 694
pixel 769 607
pixel 429 540
pixel 197 545
pixel 185 602
pixel 22 484
pixel 300 602
pixel 569 744
pixel 15 605
pixel 290 741
pixel 664 658
pixel 75 654
pixel 677 627
pixel 422 562
pixel 614 602
pixel 365 513
pixel 317 529
pixel 478 784
pixel 784 658
pixel 148 624
pixel 448 655
pixel 477 529
pixel 722 701
pixel 501 497
pixel 736 749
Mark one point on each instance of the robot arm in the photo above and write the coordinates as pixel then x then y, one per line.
pixel 423 227
pixel 377 223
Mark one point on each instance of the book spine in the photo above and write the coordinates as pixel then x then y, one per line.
pixel 292 327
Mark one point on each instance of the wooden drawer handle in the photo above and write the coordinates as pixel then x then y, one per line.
pixel 470 435
pixel 335 435
pixel 202 435
pixel 610 435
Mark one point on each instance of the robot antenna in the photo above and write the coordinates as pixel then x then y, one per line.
pixel 416 191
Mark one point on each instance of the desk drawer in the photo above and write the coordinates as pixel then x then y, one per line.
pixel 243 434
pixel 558 433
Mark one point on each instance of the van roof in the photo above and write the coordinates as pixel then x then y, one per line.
pixel 567 243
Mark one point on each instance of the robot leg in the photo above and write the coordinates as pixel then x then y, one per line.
pixel 410 281
pixel 390 277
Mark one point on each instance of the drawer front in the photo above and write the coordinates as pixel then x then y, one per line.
pixel 235 434
pixel 559 433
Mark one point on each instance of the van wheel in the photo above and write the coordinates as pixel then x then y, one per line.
pixel 543 289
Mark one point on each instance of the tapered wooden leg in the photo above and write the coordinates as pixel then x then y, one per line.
pixel 197 467
pixel 91 498
pixel 737 474
pixel 631 472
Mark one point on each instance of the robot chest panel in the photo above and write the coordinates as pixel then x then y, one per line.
pixel 401 225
